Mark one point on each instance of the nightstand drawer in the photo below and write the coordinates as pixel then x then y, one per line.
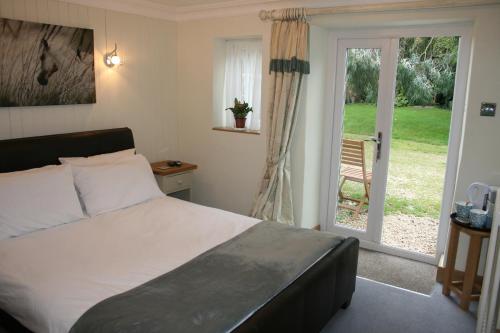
pixel 175 182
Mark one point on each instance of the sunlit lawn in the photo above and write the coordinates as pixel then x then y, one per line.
pixel 424 125
pixel 417 160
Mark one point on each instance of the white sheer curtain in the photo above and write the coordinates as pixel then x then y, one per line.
pixel 242 79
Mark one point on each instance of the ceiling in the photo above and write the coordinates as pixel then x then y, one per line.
pixel 179 10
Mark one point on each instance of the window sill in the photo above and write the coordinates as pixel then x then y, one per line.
pixel 236 130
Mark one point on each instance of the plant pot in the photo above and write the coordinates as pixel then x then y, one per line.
pixel 240 122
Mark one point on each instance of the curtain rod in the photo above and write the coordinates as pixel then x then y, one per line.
pixel 277 14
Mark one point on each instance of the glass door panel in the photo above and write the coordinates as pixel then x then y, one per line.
pixel 362 106
pixel 358 136
pixel 419 142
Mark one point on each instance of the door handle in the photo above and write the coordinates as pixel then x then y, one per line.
pixel 379 145
pixel 378 141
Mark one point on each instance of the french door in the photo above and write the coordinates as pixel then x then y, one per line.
pixel 367 166
pixel 370 167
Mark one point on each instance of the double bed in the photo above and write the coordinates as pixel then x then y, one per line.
pixel 164 264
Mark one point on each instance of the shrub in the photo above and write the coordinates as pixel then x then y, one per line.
pixel 401 100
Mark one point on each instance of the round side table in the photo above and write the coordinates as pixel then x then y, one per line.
pixel 467 289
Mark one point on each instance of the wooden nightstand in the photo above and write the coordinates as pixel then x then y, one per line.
pixel 175 181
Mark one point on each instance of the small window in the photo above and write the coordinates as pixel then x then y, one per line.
pixel 242 80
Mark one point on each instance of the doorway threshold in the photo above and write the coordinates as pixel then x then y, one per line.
pixel 396 271
pixel 397 252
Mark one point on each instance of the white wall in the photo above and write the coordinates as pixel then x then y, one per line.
pixel 140 94
pixel 307 142
pixel 480 155
pixel 230 164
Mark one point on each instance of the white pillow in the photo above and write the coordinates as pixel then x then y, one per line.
pixel 108 187
pixel 37 199
pixel 98 159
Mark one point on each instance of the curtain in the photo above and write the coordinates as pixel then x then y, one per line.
pixel 289 64
pixel 242 79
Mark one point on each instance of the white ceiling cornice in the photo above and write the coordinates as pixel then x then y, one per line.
pixel 222 8
pixel 190 12
pixel 137 7
pixel 241 7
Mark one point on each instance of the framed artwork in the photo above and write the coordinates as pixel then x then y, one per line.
pixel 45 64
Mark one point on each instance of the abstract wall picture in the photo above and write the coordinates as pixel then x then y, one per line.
pixel 45 64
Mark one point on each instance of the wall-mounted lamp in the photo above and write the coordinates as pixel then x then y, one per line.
pixel 112 58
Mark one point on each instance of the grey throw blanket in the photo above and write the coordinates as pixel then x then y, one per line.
pixel 218 290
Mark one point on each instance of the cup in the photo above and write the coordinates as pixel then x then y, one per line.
pixel 478 218
pixel 463 209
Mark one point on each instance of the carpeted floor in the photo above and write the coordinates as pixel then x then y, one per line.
pixel 380 308
pixel 396 271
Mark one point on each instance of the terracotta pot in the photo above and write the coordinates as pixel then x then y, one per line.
pixel 240 122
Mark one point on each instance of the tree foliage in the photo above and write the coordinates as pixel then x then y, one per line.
pixel 362 75
pixel 425 72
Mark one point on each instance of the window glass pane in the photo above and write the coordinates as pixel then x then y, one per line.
pixel 242 79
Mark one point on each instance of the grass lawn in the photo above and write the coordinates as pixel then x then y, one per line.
pixel 418 156
pixel 417 124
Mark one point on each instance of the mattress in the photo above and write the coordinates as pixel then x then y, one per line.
pixel 50 278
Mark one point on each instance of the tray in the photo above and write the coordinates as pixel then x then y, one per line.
pixel 465 223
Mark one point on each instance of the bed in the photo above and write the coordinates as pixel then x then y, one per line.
pixel 63 277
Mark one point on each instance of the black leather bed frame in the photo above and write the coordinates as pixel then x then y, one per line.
pixel 305 306
pixel 38 151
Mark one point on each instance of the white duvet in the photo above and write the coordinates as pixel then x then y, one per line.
pixel 49 278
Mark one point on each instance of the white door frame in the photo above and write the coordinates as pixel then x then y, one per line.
pixel 331 149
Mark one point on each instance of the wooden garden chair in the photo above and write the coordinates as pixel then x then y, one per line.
pixel 353 169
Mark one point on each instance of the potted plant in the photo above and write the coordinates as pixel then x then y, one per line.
pixel 240 111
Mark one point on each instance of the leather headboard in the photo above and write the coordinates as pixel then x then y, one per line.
pixel 38 151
